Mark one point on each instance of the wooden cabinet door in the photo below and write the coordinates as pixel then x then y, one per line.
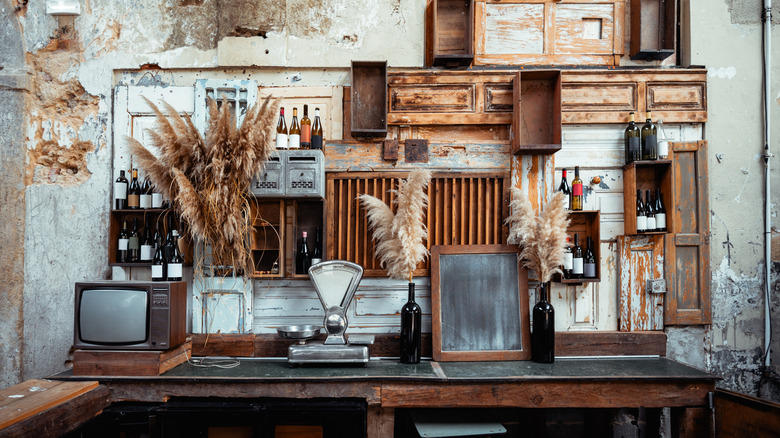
pixel 688 249
pixel 641 259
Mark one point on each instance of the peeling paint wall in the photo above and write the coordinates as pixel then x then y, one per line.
pixel 733 346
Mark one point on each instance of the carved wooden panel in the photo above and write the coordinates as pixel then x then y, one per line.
pixel 549 32
pixel 433 98
pixel 676 96
pixel 463 209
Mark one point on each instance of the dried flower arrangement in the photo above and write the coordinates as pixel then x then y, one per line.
pixel 399 237
pixel 541 237
pixel 208 178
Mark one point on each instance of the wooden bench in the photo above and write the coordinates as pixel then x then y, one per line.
pixel 49 407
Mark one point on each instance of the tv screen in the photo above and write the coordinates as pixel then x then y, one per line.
pixel 113 316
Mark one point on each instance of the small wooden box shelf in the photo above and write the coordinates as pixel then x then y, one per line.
pixel 646 175
pixel 369 99
pixel 536 118
pixel 653 29
pixel 266 233
pixel 452 26
pixel 585 223
pixel 151 216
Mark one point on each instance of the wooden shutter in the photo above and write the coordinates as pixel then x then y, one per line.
pixel 688 246
pixel 463 209
pixel 641 259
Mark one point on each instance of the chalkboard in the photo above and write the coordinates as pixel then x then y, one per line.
pixel 479 300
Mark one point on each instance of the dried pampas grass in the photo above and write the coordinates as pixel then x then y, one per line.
pixel 399 237
pixel 208 178
pixel 543 237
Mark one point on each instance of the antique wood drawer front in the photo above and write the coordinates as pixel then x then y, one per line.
pixel 433 98
pixel 673 96
pixel 498 98
pixel 584 28
pixel 599 97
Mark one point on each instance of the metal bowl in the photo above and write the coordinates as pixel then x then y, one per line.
pixel 298 331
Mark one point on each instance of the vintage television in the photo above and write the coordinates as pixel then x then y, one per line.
pixel 130 315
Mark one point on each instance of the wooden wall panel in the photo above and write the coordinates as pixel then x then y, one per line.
pixel 687 257
pixel 742 415
pixel 641 258
pixel 463 209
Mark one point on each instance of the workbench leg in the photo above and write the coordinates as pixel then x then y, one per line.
pixel 381 422
pixel 691 422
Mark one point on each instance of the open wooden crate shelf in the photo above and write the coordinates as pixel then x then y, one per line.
pixel 653 29
pixel 646 175
pixel 452 29
pixel 369 99
pixel 585 223
pixel 536 118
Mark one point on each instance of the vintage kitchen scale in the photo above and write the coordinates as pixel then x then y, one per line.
pixel 336 282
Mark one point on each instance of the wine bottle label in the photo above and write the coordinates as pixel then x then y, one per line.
pixel 120 190
pixel 145 201
pixel 133 242
pixel 633 149
pixel 567 261
pixel 589 270
pixel 294 141
pixel 316 142
pixel 660 220
pixel 157 271
pixel 146 252
pixel 641 223
pixel 577 265
pixel 314 261
pixel 174 270
pixel 123 244
pixel 133 201
pixel 663 149
pixel 305 133
pixel 650 144
pixel 281 141
pixel 576 190
pixel 156 200
pixel 651 223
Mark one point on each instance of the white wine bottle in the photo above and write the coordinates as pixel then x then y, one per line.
pixel 294 140
pixel 281 131
pixel 641 219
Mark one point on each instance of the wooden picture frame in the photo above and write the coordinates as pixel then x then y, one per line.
pixel 479 300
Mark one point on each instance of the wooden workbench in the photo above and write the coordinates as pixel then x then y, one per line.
pixel 387 385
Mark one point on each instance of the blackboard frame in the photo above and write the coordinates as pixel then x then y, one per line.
pixel 443 297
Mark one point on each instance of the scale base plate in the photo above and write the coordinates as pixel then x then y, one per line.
pixel 316 353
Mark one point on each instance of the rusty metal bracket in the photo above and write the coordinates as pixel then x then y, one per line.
pixel 656 286
pixel 416 151
pixel 390 150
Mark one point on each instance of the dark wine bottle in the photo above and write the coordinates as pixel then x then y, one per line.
pixel 134 192
pixel 641 219
pixel 122 242
pixel 567 259
pixel 649 213
pixel 564 187
pixel 577 261
pixel 660 212
pixel 632 141
pixel 316 132
pixel 145 200
pixel 649 139
pixel 147 245
pixel 175 262
pixel 316 253
pixel 294 139
pixel 281 131
pixel 159 268
pixel 411 330
pixel 134 243
pixel 303 260
pixel 120 191
pixel 305 129
pixel 589 265
pixel 168 245
pixel 576 190
pixel 543 335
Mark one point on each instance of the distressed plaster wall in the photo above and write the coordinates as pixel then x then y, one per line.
pixel 732 347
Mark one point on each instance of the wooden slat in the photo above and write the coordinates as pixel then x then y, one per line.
pixel 33 396
pixel 218 344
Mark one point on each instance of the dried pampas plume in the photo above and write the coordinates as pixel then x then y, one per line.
pixel 399 237
pixel 208 178
pixel 542 238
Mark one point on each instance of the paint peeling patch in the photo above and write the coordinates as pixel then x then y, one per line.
pixel 16 396
pixel 722 72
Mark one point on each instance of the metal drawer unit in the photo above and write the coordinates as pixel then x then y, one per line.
pixel 292 174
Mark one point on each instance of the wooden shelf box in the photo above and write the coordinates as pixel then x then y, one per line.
pixel 585 223
pixel 154 217
pixel 653 29
pixel 536 118
pixel 265 237
pixel 646 175
pixel 369 99
pixel 453 32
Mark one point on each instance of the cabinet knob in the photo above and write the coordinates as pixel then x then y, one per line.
pixel 595 180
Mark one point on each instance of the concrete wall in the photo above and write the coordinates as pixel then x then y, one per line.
pixel 57 144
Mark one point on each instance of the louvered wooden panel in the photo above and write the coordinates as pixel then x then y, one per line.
pixel 464 209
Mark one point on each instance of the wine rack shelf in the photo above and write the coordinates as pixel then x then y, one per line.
pixel 646 175
pixel 146 216
pixel 585 223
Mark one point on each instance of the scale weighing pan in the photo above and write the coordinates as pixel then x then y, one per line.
pixel 335 282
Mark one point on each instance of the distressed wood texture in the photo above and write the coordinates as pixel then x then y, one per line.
pixel 548 32
pixel 647 175
pixel 610 343
pixel 369 99
pixel 688 249
pixel 741 415
pixel 585 223
pixel 129 363
pixel 31 397
pixel 463 209
pixel 220 344
pixel 536 117
pixel 653 29
pixel 641 259
pixel 451 25
pixel 380 422
pixel 266 237
pixel 676 96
